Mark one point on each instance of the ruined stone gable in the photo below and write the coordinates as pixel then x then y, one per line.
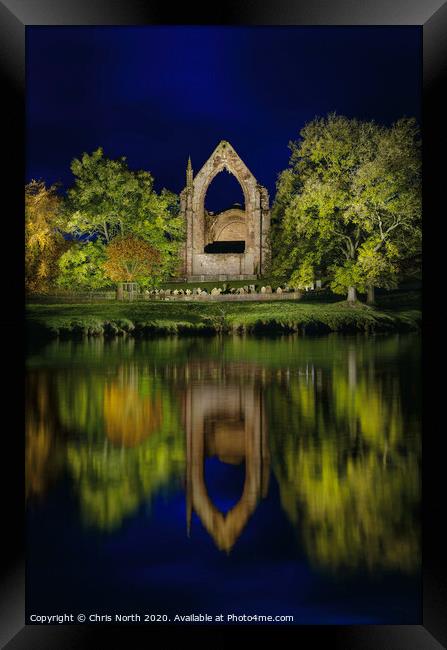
pixel 232 244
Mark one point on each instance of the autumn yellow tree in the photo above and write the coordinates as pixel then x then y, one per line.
pixel 44 242
pixel 130 259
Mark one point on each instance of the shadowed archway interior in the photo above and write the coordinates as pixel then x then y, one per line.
pixel 225 219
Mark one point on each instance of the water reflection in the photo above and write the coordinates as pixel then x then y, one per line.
pixel 334 423
pixel 129 415
pixel 225 419
pixel 42 448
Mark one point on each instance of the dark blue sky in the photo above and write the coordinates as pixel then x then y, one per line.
pixel 159 94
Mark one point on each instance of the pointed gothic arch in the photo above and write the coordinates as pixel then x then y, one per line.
pixel 216 402
pixel 200 226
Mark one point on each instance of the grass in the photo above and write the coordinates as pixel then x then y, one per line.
pixel 398 313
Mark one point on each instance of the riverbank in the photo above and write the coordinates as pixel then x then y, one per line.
pixel 141 319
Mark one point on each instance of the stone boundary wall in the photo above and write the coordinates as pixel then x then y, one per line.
pixel 110 296
pixel 228 297
pixel 75 297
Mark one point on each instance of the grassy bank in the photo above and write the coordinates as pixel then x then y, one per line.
pixel 150 318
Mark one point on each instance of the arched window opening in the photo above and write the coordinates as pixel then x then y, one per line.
pixel 224 460
pixel 225 225
pixel 224 192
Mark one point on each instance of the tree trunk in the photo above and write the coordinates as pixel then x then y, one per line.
pixel 371 297
pixel 119 291
pixel 352 294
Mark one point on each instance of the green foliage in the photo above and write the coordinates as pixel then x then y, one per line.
pixel 44 242
pixel 81 267
pixel 346 276
pixel 377 265
pixel 350 202
pixel 304 276
pixel 108 199
pixel 162 226
pixel 286 248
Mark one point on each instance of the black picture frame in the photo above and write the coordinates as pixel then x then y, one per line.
pixel 15 15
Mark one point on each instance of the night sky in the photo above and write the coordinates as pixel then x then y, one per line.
pixel 159 94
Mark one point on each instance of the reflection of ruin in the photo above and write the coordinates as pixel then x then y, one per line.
pixel 226 421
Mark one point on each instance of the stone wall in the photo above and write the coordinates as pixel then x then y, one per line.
pixel 230 297
pixel 229 225
pixel 253 223
pixel 232 264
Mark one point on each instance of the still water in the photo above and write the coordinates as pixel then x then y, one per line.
pixel 226 475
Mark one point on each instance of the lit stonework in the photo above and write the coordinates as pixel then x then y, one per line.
pixel 206 233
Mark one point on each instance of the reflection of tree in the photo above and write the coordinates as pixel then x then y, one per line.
pixel 348 469
pixel 123 440
pixel 113 482
pixel 365 516
pixel 139 415
pixel 126 403
pixel 80 402
pixel 370 407
pixel 129 416
pixel 41 456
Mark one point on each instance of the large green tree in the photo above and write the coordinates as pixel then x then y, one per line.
pixel 349 204
pixel 108 199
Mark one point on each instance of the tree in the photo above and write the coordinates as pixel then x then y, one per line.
pixel 304 276
pixel 129 259
pixel 81 266
pixel 388 199
pixel 286 249
pixel 108 199
pixel 44 241
pixel 350 201
pixel 377 266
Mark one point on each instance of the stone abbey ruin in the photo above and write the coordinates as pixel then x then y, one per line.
pixel 228 245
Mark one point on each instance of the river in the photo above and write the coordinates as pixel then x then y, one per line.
pixel 226 475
